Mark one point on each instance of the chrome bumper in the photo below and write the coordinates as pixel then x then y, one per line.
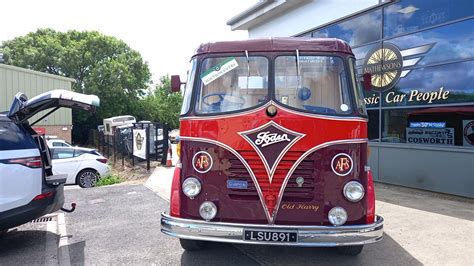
pixel 322 236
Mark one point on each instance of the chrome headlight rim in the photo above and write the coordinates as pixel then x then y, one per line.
pixel 208 204
pixel 191 181
pixel 332 212
pixel 353 183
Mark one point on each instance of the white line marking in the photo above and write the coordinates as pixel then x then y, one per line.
pixel 63 248
pixel 51 256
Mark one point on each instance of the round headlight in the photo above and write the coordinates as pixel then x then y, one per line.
pixel 208 210
pixel 191 187
pixel 354 191
pixel 337 216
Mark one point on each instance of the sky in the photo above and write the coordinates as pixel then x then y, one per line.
pixel 166 33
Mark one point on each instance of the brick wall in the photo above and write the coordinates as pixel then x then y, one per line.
pixel 62 132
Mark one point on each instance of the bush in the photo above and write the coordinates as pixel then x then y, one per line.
pixel 108 180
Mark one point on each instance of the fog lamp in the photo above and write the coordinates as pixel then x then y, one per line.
pixel 337 216
pixel 191 187
pixel 354 191
pixel 208 210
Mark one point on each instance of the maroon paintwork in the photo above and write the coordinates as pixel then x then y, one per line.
pixel 276 45
pixel 311 142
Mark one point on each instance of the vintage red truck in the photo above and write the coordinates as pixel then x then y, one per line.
pixel 273 148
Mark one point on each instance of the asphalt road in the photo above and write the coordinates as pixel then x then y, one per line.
pixel 121 225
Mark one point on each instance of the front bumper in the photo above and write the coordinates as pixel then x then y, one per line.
pixel 322 236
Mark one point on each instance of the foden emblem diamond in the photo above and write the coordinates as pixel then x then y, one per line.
pixel 271 141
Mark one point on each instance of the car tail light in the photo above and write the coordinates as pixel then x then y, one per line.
pixel 32 162
pixel 44 195
pixel 175 196
pixel 102 160
pixel 370 198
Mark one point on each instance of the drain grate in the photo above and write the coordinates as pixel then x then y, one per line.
pixel 42 220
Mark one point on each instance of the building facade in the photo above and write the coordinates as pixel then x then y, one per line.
pixel 15 79
pixel 421 57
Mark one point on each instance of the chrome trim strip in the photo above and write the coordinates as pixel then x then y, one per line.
pixel 242 160
pixel 271 102
pixel 323 236
pixel 302 157
pixel 271 171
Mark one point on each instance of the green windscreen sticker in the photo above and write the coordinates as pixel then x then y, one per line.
pixel 219 70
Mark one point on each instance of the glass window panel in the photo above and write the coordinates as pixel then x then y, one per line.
pixel 188 91
pixel 446 43
pixel 373 126
pixel 444 126
pixel 444 84
pixel 411 15
pixel 232 84
pixel 321 87
pixel 356 31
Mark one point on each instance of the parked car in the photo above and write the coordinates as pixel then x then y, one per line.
pixel 83 166
pixel 28 187
pixel 52 143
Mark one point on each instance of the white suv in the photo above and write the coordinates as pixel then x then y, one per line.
pixel 28 187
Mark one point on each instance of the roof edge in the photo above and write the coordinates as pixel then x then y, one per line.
pixel 34 72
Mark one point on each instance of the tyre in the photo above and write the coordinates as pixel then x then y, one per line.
pixel 87 178
pixel 191 245
pixel 350 250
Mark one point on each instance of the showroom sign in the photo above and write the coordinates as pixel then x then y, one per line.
pixel 388 64
pixel 438 136
pixel 468 132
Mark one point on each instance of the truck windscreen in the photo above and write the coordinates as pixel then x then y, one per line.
pixel 316 84
pixel 232 84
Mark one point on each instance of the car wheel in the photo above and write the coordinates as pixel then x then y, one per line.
pixel 87 178
pixel 350 250
pixel 191 245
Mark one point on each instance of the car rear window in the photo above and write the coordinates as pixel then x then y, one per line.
pixel 12 137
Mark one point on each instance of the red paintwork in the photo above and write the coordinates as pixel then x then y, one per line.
pixel 175 197
pixel 317 130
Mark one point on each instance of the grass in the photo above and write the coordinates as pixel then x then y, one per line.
pixel 108 180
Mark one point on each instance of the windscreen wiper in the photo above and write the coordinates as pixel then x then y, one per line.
pixel 298 70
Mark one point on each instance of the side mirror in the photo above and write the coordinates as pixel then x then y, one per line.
pixel 175 83
pixel 367 81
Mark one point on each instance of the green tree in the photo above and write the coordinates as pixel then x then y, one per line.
pixel 100 64
pixel 162 105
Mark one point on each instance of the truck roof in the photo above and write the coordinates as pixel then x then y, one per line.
pixel 276 45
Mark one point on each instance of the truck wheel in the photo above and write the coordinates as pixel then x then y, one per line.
pixel 350 250
pixel 191 245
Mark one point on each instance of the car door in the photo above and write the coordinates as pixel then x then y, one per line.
pixel 22 109
pixel 64 162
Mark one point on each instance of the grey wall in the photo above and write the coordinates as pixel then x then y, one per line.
pixel 446 170
pixel 16 79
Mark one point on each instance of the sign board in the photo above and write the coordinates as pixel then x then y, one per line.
pixel 468 133
pixel 435 136
pixel 428 124
pixel 139 143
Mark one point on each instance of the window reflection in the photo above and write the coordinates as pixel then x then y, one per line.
pixel 356 31
pixel 411 15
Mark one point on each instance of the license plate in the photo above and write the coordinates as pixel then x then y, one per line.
pixel 270 236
